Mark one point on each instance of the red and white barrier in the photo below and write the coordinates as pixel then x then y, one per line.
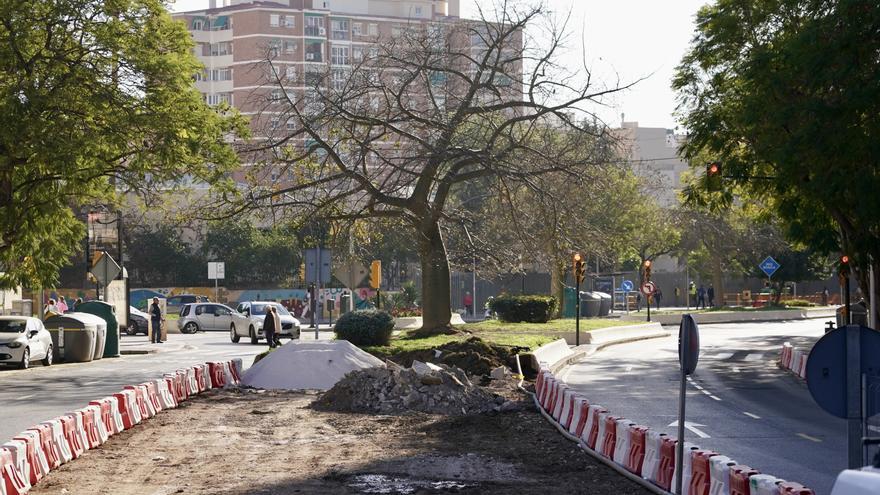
pixel 93 426
pixel 20 467
pixel 564 407
pixel 794 360
pixel 666 468
pixel 764 484
pixel 127 407
pixel 620 454
pixel 719 471
pixel 12 482
pixel 739 479
pixel 165 393
pixel 72 436
pixel 700 472
pixel 37 467
pixel 559 399
pixel 579 416
pixel 651 464
pixel 191 381
pixel 792 488
pixel 688 470
pixel 635 457
pixel 47 445
pixel 59 441
pixel 590 435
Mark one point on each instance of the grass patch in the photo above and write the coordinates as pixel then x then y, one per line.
pixel 560 325
pixel 718 309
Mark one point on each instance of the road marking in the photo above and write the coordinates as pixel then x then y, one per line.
pixel 692 427
pixel 629 368
pixel 23 397
pixel 754 356
pixel 722 356
pixel 735 369
pixel 755 416
pixel 697 386
pixel 808 437
pixel 715 397
pixel 91 383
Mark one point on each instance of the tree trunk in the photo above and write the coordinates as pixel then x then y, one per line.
pixel 436 285
pixel 718 279
pixel 557 284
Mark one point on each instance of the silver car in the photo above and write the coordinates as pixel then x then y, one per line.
pixel 255 312
pixel 210 316
pixel 24 339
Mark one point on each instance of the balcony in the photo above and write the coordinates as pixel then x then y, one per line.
pixel 212 36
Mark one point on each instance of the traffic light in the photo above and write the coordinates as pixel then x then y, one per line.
pixel 647 266
pixel 578 267
pixel 376 274
pixel 713 176
pixel 844 265
pixel 302 271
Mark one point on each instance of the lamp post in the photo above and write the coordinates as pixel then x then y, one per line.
pixel 473 273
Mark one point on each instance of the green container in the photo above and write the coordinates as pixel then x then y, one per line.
pixel 570 306
pixel 108 313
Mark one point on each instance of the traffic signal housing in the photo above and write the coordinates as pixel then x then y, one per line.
pixel 647 265
pixel 302 271
pixel 713 176
pixel 579 267
pixel 376 274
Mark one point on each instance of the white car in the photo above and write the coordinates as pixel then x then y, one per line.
pixel 865 481
pixel 255 311
pixel 205 317
pixel 24 339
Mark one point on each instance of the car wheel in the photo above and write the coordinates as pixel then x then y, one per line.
pixel 233 335
pixel 47 361
pixel 25 359
pixel 254 339
pixel 190 328
pixel 132 328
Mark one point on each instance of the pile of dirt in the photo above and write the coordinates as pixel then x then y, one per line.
pixel 474 355
pixel 425 388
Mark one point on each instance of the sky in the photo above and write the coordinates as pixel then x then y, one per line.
pixel 620 40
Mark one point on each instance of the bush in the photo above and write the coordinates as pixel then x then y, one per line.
pixel 531 309
pixel 798 303
pixel 365 327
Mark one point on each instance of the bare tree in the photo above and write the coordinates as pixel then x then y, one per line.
pixel 396 129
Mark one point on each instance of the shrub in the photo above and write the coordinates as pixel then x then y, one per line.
pixel 406 312
pixel 798 303
pixel 532 309
pixel 365 327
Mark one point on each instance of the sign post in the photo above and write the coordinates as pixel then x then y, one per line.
pixel 579 267
pixel 769 267
pixel 648 289
pixel 626 286
pixel 216 271
pixel 105 270
pixel 688 355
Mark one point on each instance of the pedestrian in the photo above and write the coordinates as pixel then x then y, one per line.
pixel 62 304
pixel 692 294
pixel 825 296
pixel 51 307
pixel 468 304
pixel 269 327
pixel 488 307
pixel 75 304
pixel 677 295
pixel 701 297
pixel 278 327
pixel 710 293
pixel 156 320
pixel 658 295
pixel 638 301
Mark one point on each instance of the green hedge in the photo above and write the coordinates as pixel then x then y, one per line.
pixel 798 303
pixel 531 309
pixel 365 327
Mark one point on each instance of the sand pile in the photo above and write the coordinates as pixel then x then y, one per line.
pixel 427 388
pixel 308 365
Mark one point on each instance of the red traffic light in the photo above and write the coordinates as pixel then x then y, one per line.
pixel 844 259
pixel 647 263
pixel 713 168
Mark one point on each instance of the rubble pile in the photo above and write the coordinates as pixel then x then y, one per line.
pixel 425 387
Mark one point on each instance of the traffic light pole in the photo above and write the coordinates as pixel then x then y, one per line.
pixel 577 310
pixel 648 300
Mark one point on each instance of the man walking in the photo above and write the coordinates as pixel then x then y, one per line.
pixel 658 295
pixel 692 295
pixel 468 304
pixel 156 321
pixel 701 297
pixel 711 294
pixel 269 326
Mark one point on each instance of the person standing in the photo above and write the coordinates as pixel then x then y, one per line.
pixel 692 294
pixel 701 297
pixel 51 308
pixel 62 304
pixel 277 326
pixel 710 293
pixel 658 295
pixel 468 304
pixel 825 296
pixel 269 326
pixel 156 320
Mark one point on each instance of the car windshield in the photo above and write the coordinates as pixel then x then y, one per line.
pixel 260 309
pixel 12 326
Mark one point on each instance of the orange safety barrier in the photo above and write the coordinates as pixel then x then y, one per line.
pixel 47 444
pixel 106 415
pixel 792 488
pixel 593 436
pixel 38 467
pixel 218 375
pixel 128 408
pixel 636 455
pixel 577 427
pixel 153 396
pixel 739 479
pixel 667 463
pixel 233 370
pixel 12 482
pixel 700 473
pixel 72 436
pixel 610 439
pixel 92 425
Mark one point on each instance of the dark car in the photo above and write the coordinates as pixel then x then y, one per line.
pixel 138 322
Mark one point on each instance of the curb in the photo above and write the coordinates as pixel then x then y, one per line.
pixel 741 317
pixel 137 352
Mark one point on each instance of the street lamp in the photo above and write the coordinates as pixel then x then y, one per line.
pixel 473 273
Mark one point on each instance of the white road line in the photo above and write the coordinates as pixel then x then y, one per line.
pixel 715 397
pixel 23 397
pixel 629 368
pixel 697 386
pixel 808 437
pixel 91 383
pixel 754 356
pixel 722 356
pixel 706 392
pixel 755 416
pixel 735 369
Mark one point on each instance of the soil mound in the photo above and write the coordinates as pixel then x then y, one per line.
pixel 425 388
pixel 475 356
pixel 308 365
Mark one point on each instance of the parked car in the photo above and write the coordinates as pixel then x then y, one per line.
pixel 138 322
pixel 174 304
pixel 24 339
pixel 210 316
pixel 255 311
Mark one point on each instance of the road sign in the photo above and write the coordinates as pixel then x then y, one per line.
pixel 648 288
pixel 351 274
pixel 105 269
pixel 626 286
pixel 827 365
pixel 688 344
pixel 769 266
pixel 315 258
pixel 216 270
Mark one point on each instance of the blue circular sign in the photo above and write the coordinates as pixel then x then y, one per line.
pixel 626 285
pixel 826 368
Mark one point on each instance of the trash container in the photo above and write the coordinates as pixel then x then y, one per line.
pixel 77 343
pixel 591 303
pixel 344 303
pixel 569 298
pixel 859 314
pixel 107 312
pixel 605 307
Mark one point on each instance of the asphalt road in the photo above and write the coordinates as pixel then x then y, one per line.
pixel 30 396
pixel 743 405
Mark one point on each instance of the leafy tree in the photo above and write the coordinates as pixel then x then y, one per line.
pixel 159 257
pixel 96 99
pixel 785 93
pixel 253 257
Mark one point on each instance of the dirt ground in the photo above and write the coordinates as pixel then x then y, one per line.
pixel 238 442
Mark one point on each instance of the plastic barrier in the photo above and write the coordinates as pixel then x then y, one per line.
pixel 20 464
pixel 182 385
pixel 79 430
pixel 106 411
pixel 795 359
pixel 785 357
pixel 765 484
pixel 237 368
pixel 166 396
pixel 142 400
pixel 594 426
pixel 600 433
pixel 191 382
pixel 73 436
pixel 12 481
pixel 651 464
pixel 47 445
pixel 36 461
pixel 792 488
pixel 802 371
pixel 579 419
pixel 620 454
pixel 609 440
pixel 59 440
pixel 719 473
pixel 548 394
pixel 129 412
pixel 635 458
pixel 93 426
pixel 153 397
pixel 218 375
pixel 561 392
pixel 666 466
pixel 739 479
pixel 541 386
pixel 688 468
pixel 204 374
pixel 700 472
pixel 564 407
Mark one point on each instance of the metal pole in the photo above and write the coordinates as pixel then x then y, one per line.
pixel 648 300
pixel 687 285
pixel 846 298
pixel 679 447
pixel 853 396
pixel 216 290
pixel 577 311
pixel 872 300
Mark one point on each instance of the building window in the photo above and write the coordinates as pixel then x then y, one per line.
pixel 291 126
pixel 276 95
pixel 338 77
pixel 374 30
pixel 357 54
pixel 222 48
pixel 218 98
pixel 288 21
pixel 339 55
pixel 339 29
pixel 198 24
pixel 289 46
pixel 274 20
pixel 273 124
pixel 356 28
pixel 418 11
pixel 396 31
pixel 274 48
pixel 315 26
pixel 290 73
pixel 314 51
